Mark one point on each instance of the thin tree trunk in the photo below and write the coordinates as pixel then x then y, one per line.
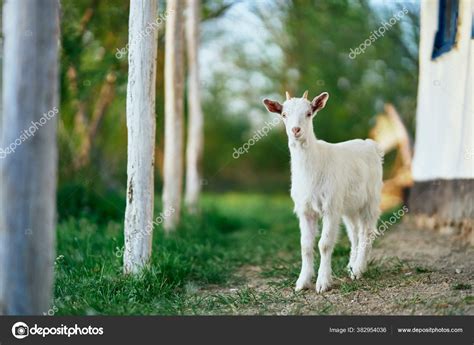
pixel 28 173
pixel 105 98
pixel 195 121
pixel 174 75
pixel 141 127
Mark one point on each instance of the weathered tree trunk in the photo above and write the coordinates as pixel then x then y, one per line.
pixel 28 173
pixel 174 82
pixel 195 120
pixel 141 127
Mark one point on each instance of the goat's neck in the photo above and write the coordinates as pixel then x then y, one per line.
pixel 304 155
pixel 301 150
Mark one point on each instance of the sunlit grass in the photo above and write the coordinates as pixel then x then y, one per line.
pixel 206 249
pixel 195 270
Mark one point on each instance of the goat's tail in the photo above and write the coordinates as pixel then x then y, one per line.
pixel 380 152
pixel 378 149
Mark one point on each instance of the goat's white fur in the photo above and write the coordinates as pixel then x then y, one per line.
pixel 331 181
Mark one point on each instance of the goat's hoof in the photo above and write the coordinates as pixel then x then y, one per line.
pixel 351 272
pixel 355 273
pixel 303 284
pixel 323 284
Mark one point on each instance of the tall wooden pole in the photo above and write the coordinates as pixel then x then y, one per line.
pixel 174 123
pixel 141 127
pixel 28 155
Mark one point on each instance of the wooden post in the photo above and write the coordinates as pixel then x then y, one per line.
pixel 174 136
pixel 195 120
pixel 141 127
pixel 28 156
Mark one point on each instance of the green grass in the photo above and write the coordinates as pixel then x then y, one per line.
pixel 206 250
pixel 232 230
pixel 462 286
pixel 196 269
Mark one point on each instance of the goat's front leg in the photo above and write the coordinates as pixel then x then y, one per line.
pixel 308 228
pixel 326 246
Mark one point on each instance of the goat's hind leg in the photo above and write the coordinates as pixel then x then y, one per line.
pixel 367 232
pixel 352 232
pixel 308 228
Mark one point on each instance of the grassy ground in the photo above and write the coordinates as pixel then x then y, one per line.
pixel 241 256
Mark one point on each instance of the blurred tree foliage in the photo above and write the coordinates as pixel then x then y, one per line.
pixel 92 125
pixel 321 35
pixel 307 45
pixel 91 33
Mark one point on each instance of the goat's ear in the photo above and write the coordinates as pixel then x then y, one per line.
pixel 319 102
pixel 273 106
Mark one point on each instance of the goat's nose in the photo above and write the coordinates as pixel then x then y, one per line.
pixel 296 130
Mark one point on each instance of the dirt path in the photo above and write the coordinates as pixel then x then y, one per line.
pixel 414 272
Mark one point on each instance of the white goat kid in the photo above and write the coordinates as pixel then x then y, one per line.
pixel 334 181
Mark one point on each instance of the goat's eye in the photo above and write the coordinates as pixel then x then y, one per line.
pixel 283 115
pixel 309 114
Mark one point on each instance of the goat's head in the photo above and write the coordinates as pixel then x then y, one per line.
pixel 298 113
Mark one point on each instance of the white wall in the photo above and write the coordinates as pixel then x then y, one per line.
pixel 444 144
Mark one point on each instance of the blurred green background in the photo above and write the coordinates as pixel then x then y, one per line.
pixel 249 50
